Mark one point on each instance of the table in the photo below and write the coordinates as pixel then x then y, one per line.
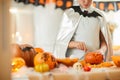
pixel 112 73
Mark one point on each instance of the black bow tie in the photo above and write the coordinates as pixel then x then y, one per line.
pixel 93 14
pixel 85 13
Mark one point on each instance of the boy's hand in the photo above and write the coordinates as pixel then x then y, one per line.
pixel 78 45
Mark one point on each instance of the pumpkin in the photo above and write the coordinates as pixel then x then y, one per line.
pixel 93 58
pixel 37 49
pixel 17 63
pixel 16 50
pixel 43 67
pixel 24 51
pixel 116 60
pixel 47 58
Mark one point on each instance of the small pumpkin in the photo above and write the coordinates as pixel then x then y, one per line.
pixel 37 49
pixel 43 67
pixel 93 58
pixel 24 51
pixel 47 58
pixel 116 60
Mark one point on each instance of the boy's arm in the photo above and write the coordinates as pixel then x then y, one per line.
pixel 103 45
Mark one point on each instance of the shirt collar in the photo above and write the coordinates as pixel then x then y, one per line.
pixel 90 10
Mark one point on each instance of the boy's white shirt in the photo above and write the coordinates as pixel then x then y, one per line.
pixel 67 28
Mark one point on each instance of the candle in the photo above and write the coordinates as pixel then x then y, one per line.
pixel 18 37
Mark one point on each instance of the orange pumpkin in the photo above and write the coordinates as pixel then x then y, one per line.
pixel 116 60
pixel 16 50
pixel 93 58
pixel 39 50
pixel 24 51
pixel 47 58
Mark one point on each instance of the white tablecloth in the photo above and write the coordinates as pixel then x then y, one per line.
pixel 112 73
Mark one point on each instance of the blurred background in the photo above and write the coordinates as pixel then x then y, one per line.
pixel 23 24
